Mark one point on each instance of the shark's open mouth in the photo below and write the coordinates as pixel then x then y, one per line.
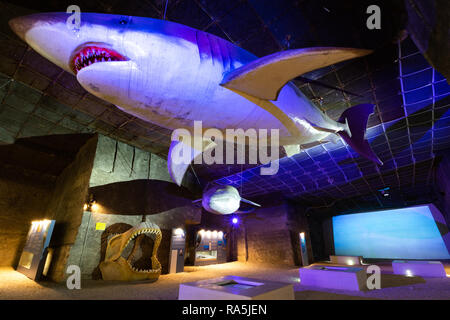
pixel 137 238
pixel 94 53
pixel 137 265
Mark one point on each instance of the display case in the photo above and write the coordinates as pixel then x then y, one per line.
pixel 210 247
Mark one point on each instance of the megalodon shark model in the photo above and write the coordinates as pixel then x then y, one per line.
pixel 172 75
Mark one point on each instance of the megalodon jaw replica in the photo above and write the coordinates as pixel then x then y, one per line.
pixel 116 267
pixel 173 75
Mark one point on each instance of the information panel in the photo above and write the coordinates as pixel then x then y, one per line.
pixel 34 254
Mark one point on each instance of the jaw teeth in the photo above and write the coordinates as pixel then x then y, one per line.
pixel 134 235
pixel 142 270
pixel 141 231
pixel 88 56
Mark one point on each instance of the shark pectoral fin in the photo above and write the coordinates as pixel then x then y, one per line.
pixel 292 149
pixel 264 77
pixel 250 202
pixel 181 155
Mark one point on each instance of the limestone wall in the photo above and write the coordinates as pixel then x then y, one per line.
pixel 66 207
pixel 263 237
pixel 24 196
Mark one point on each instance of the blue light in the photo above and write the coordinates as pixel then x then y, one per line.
pixel 235 220
pixel 409 233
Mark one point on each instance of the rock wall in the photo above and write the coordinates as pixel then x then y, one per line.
pixel 24 196
pixel 27 195
pixel 299 222
pixel 263 236
pixel 117 162
pixel 66 207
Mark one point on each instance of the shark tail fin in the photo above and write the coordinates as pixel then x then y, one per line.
pixel 356 119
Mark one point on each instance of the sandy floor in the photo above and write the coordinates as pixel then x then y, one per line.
pixel 14 285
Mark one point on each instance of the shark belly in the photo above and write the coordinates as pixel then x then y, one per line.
pixel 173 93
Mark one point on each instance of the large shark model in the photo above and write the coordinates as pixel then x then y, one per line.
pixel 172 75
pixel 223 200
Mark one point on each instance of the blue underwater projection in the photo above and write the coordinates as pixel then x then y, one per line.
pixel 408 233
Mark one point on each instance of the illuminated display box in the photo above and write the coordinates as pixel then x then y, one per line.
pixel 210 247
pixel 235 288
pixel 348 260
pixel 342 278
pixel 34 261
pixel 419 268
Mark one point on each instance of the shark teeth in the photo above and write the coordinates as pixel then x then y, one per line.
pixel 143 270
pixel 152 231
pixel 93 54
pixel 143 231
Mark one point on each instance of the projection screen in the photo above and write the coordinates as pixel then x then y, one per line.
pixel 418 232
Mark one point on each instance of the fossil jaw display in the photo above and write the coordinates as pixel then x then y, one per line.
pixel 116 267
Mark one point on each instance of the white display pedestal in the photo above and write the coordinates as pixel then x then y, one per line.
pixel 235 288
pixel 419 268
pixel 343 278
pixel 348 260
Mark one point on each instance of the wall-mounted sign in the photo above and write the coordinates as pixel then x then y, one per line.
pixel 177 250
pixel 304 250
pixel 34 254
pixel 100 226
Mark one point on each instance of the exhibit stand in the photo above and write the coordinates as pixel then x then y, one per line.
pixel 342 278
pixel 419 268
pixel 235 288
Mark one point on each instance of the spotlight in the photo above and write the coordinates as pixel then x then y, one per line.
pixel 90 205
pixel 220 234
pixel 214 234
pixel 350 262
pixel 94 206
pixel 235 220
pixel 38 225
pixel 408 273
pixel 179 232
